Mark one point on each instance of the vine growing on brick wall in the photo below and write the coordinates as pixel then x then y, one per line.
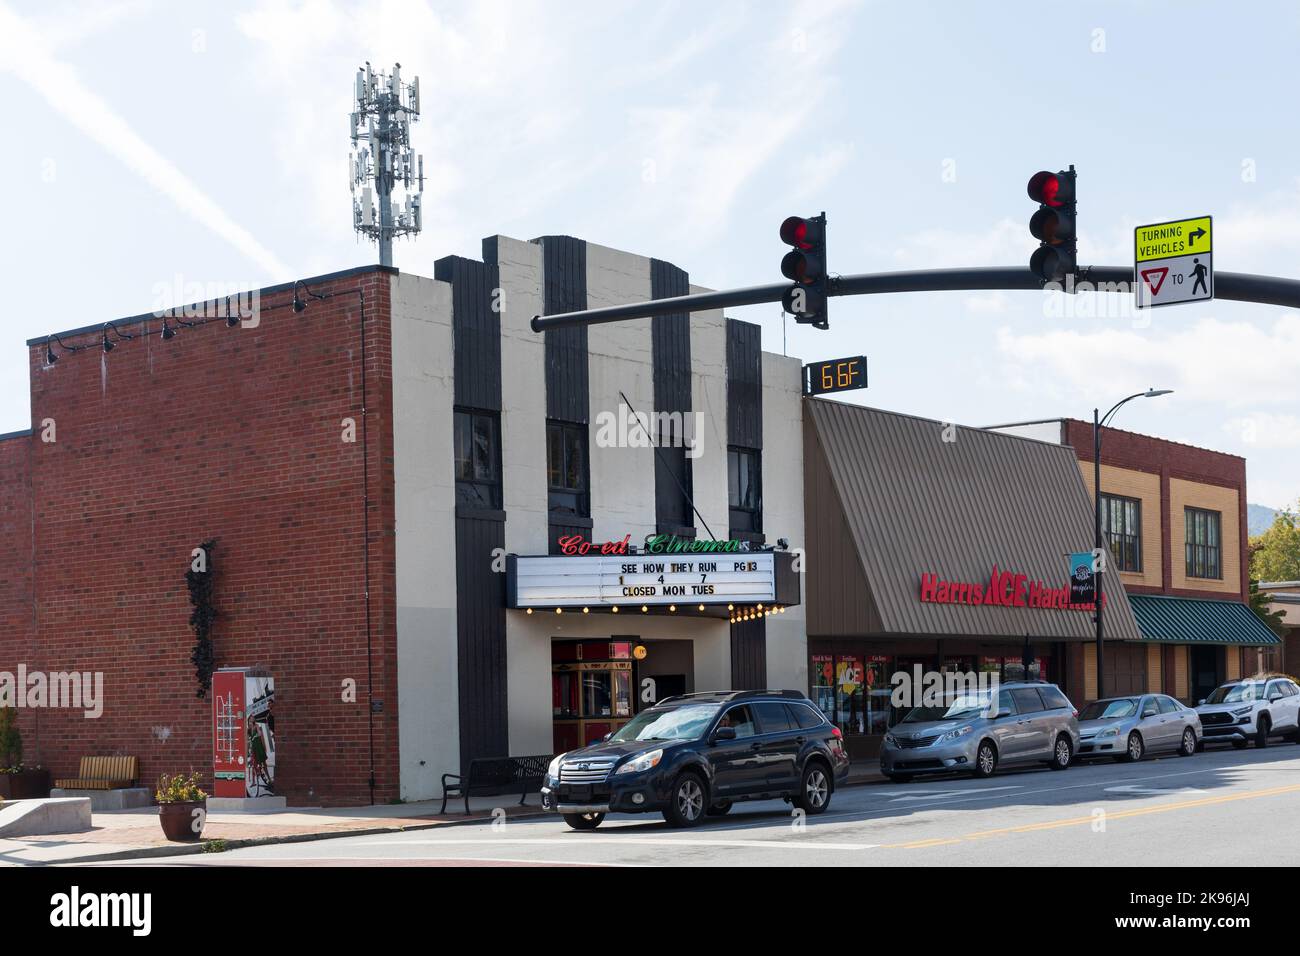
pixel 199 581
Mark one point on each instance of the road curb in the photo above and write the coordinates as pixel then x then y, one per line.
pixel 195 849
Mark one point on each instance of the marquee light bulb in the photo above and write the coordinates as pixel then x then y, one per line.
pixel 529 611
pixel 614 609
pixel 644 609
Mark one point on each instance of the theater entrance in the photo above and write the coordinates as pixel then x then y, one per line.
pixel 598 685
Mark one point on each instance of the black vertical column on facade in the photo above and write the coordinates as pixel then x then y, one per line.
pixel 745 435
pixel 480 520
pixel 568 388
pixel 671 362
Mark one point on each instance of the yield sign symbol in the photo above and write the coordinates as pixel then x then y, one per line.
pixel 1155 278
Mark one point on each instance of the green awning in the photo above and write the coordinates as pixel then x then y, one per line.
pixel 1199 621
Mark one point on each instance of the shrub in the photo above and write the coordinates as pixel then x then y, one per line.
pixel 179 788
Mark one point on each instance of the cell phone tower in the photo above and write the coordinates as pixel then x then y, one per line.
pixel 383 110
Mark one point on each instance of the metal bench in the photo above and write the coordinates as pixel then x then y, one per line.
pixel 103 773
pixel 492 775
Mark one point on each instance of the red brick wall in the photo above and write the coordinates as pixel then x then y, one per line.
pixel 16 569
pixel 233 434
pixel 1169 459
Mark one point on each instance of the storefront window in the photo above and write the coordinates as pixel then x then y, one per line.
pixel 564 694
pixel 852 690
pixel 622 693
pixel 596 697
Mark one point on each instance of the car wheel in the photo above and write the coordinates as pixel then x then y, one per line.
pixel 1265 728
pixel 1135 749
pixel 720 809
pixel 687 801
pixel 900 777
pixel 1190 744
pixel 986 759
pixel 1062 753
pixel 584 821
pixel 814 794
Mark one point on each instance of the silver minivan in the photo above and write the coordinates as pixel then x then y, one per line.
pixel 1020 723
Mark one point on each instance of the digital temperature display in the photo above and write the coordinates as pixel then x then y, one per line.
pixel 835 375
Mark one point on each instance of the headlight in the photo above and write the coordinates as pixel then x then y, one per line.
pixel 553 771
pixel 891 740
pixel 1110 732
pixel 644 762
pixel 955 734
pixel 1243 712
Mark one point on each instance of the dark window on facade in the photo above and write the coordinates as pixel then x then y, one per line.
pixel 1203 543
pixel 673 477
pixel 745 488
pixel 477 437
pixel 1121 520
pixel 566 469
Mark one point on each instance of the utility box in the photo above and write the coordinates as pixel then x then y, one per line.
pixel 243 733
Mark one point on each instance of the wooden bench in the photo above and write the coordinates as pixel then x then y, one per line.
pixel 103 773
pixel 492 775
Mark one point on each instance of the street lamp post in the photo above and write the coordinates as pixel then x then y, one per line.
pixel 1098 423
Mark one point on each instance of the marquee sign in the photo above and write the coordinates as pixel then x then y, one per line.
pixel 605 581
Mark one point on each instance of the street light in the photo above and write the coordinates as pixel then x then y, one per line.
pixel 1098 423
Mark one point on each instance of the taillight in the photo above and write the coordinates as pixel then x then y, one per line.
pixel 836 732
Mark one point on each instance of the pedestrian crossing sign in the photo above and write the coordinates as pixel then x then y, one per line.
pixel 1173 262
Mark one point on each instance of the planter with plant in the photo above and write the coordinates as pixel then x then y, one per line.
pixel 18 781
pixel 182 807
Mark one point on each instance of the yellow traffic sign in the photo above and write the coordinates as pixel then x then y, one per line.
pixel 1164 240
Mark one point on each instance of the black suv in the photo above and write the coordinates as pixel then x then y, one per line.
pixel 697 754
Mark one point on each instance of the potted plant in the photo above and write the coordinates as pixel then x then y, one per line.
pixel 182 807
pixel 17 781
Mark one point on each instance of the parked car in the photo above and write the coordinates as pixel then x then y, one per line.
pixel 1252 710
pixel 1128 728
pixel 696 755
pixel 1025 722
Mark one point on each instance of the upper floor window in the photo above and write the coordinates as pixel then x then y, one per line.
pixel 1121 520
pixel 745 489
pixel 1203 543
pixel 674 478
pixel 566 469
pixel 477 439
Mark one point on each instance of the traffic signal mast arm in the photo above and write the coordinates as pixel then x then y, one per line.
pixel 1237 286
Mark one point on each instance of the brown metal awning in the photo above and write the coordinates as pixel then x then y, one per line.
pixel 892 501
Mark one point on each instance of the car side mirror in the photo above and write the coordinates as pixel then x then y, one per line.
pixel 1274 698
pixel 1202 701
pixel 724 733
pixel 1005 712
pixel 607 736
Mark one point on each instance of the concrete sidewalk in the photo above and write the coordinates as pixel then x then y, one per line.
pixel 136 833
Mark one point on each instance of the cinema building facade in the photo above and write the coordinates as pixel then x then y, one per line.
pixel 443 535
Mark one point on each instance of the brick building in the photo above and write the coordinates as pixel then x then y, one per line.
pixel 1175 518
pixel 367 464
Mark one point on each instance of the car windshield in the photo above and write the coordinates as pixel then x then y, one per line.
pixel 678 723
pixel 1237 693
pixel 1107 709
pixel 961 708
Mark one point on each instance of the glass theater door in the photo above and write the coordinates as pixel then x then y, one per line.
pixel 588 701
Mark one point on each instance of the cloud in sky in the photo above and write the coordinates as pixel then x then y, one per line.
pixel 23 52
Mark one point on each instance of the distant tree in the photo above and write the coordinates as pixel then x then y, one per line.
pixel 1275 554
pixel 1259 603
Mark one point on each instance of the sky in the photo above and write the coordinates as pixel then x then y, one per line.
pixel 155 147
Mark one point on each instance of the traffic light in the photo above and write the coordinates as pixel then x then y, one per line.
pixel 1053 225
pixel 805 266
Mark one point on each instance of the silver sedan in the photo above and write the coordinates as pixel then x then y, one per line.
pixel 1128 728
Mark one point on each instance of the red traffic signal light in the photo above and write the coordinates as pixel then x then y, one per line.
pixel 1053 225
pixel 805 265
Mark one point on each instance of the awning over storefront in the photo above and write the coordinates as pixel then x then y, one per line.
pixel 920 528
pixel 1199 621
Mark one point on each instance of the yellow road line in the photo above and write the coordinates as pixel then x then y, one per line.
pixel 1079 821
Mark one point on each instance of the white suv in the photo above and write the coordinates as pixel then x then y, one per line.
pixel 1256 709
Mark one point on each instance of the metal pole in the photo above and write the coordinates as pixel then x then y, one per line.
pixel 1096 497
pixel 384 185
pixel 1237 286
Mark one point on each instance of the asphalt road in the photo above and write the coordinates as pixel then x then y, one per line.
pixel 1218 808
